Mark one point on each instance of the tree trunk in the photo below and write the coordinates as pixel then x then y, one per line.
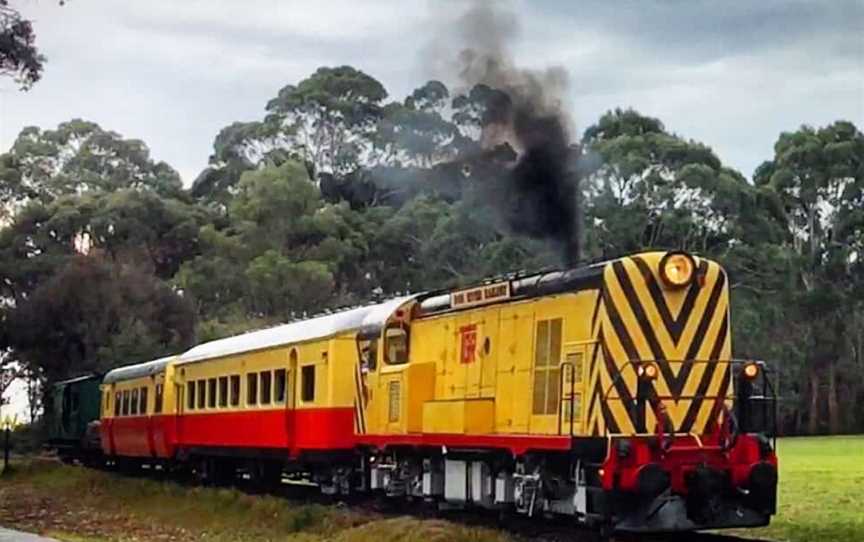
pixel 813 418
pixel 834 424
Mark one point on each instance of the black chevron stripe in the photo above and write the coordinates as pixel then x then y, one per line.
pixel 595 313
pixel 626 342
pixel 721 394
pixel 707 376
pixel 611 422
pixel 596 382
pixel 359 402
pixel 594 354
pixel 676 383
pixel 699 336
pixel 675 326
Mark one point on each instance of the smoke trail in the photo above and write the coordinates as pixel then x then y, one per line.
pixel 524 109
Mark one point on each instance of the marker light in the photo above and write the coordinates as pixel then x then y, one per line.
pixel 677 269
pixel 648 371
pixel 750 371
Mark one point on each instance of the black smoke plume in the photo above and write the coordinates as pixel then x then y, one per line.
pixel 538 194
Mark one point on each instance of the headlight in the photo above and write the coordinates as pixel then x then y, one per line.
pixel 677 269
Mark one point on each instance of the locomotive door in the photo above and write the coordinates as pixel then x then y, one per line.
pixel 469 330
pixel 513 371
pixel 573 377
pixel 476 355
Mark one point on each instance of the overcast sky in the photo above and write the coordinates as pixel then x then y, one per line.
pixel 730 74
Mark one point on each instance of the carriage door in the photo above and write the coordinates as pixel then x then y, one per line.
pixel 291 397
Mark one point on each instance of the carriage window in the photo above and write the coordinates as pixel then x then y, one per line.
pixel 202 393
pixel 547 364
pixel 235 390
pixel 396 345
pixel 118 402
pixel 308 383
pixel 279 384
pixel 143 396
pixel 157 407
pixel 266 387
pixel 125 411
pixel 134 409
pixel 252 389
pixel 223 391
pixel 211 393
pixel 190 395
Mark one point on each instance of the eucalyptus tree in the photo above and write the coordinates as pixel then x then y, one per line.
pixel 647 188
pixel 79 157
pixel 818 176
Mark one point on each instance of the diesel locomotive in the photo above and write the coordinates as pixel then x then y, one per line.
pixel 605 393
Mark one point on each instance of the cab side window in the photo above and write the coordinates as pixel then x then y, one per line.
pixel 396 345
pixel 118 402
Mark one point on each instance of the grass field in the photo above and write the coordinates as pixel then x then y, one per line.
pixel 821 498
pixel 821 491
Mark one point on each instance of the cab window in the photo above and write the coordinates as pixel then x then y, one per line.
pixel 396 345
pixel 368 354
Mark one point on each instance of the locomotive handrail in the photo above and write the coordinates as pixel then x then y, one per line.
pixel 768 389
pixel 572 395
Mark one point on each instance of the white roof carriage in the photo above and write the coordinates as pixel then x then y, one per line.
pixel 138 370
pixel 365 319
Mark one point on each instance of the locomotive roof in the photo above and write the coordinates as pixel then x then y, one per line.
pixel 367 319
pixel 138 370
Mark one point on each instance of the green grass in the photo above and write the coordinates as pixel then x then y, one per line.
pixel 821 491
pixel 83 505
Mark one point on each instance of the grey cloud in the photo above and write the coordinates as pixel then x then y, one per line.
pixel 732 74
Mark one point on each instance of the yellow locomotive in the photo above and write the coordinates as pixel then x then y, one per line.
pixel 606 393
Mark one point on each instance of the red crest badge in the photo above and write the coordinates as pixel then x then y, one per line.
pixel 469 343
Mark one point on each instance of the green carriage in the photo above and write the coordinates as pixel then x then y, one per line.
pixel 72 410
